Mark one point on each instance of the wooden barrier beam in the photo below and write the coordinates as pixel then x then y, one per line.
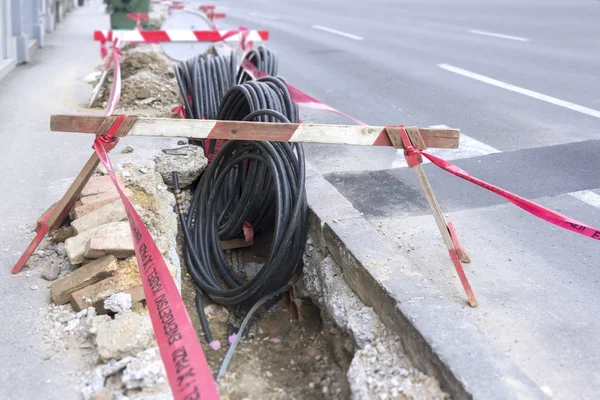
pixel 264 131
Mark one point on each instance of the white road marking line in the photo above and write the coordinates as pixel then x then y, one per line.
pixel 498 35
pixel 264 16
pixel 517 89
pixel 468 148
pixel 587 196
pixel 348 35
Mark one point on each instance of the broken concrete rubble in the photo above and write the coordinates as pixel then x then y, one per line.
pixel 118 302
pixel 89 274
pixel 377 365
pixel 119 246
pixel 75 246
pixel 145 371
pixel 128 334
pixel 89 204
pixel 111 212
pixel 95 295
pixel 188 161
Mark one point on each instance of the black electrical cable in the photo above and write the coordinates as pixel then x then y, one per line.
pixel 264 59
pixel 260 183
pixel 203 81
pixel 256 183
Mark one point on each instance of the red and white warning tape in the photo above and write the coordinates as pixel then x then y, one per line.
pixel 298 96
pixel 180 35
pixel 187 370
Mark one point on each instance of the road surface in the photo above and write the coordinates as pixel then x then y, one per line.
pixel 520 79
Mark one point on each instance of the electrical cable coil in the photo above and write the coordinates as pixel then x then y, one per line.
pixel 260 184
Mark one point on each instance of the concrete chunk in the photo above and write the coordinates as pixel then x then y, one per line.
pixel 126 335
pixel 111 212
pixel 94 295
pixel 120 246
pixel 89 274
pixel 75 246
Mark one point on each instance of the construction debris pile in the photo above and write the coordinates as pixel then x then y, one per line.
pixel 148 81
pixel 98 301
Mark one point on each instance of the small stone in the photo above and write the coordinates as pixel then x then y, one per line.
pixel 143 93
pixel 43 253
pixel 67 317
pixel 118 302
pixel 145 371
pixel 216 312
pixel 127 149
pixel 52 272
pixel 62 234
pixel 61 250
pixel 34 287
pixel 114 367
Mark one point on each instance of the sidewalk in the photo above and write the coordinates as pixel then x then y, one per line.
pixel 37 167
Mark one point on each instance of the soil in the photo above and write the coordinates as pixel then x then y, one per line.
pixel 148 80
pixel 282 358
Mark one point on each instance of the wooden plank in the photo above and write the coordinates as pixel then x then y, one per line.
pixel 63 207
pixel 79 123
pixel 267 131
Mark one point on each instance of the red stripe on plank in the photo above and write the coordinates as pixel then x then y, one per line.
pixel 155 36
pixel 383 139
pixel 99 36
pixel 233 130
pixel 208 36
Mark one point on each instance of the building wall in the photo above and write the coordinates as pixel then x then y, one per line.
pixel 23 27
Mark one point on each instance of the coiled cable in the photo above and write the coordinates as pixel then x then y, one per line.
pixel 260 183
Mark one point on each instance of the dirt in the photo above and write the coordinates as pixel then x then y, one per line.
pixel 286 359
pixel 282 358
pixel 148 81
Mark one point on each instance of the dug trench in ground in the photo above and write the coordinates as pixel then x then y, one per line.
pixel 339 350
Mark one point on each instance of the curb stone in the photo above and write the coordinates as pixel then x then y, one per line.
pixel 437 337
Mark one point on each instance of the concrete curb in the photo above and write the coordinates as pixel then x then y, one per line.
pixel 436 336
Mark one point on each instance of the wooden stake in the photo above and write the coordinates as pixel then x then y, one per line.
pixel 414 137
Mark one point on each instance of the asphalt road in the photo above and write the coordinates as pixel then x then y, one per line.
pixel 520 79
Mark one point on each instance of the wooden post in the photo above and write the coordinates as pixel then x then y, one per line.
pixel 416 140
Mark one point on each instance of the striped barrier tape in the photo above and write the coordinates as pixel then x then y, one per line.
pixel 180 35
pixel 298 96
pixel 187 371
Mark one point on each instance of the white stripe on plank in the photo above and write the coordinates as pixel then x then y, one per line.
pixel 517 89
pixel 336 134
pixel 467 148
pixel 182 35
pixel 498 35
